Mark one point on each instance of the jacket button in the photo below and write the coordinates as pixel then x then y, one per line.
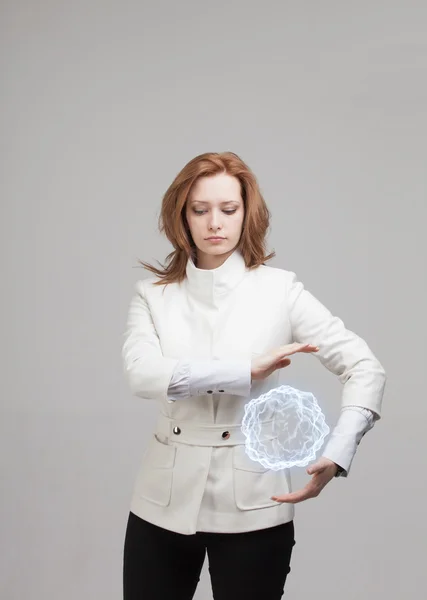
pixel 225 435
pixel 176 430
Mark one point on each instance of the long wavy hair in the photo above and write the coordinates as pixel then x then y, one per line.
pixel 173 222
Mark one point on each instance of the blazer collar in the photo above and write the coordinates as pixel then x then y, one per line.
pixel 208 284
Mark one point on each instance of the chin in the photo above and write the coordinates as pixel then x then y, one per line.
pixel 217 250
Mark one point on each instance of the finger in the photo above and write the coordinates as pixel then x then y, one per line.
pixel 294 348
pixel 302 345
pixel 308 491
pixel 310 348
pixel 292 497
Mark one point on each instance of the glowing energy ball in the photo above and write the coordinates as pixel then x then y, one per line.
pixel 284 428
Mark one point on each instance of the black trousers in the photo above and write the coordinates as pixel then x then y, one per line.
pixel 159 564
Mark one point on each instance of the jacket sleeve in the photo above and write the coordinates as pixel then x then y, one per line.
pixel 340 350
pixel 147 371
pixel 354 422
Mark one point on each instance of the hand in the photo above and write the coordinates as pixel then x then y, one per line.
pixel 323 471
pixel 262 366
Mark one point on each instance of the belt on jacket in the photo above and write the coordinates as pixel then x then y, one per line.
pixel 209 434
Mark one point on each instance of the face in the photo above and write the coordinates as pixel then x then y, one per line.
pixel 215 213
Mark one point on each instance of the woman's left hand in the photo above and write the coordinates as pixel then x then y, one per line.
pixel 323 471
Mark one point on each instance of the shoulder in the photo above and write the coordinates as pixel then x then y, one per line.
pixel 148 289
pixel 275 275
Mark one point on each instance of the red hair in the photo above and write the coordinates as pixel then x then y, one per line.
pixel 173 222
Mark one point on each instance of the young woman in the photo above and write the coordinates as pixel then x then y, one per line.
pixel 208 332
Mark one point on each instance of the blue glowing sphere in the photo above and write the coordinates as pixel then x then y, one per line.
pixel 284 428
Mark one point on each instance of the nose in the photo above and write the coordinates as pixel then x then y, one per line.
pixel 215 223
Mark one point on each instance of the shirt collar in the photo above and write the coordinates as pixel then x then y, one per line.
pixel 209 284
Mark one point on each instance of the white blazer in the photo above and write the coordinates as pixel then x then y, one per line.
pixel 195 474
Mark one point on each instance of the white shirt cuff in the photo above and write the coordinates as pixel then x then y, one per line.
pixel 201 377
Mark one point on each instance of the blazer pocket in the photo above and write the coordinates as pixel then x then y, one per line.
pixel 254 484
pixel 154 481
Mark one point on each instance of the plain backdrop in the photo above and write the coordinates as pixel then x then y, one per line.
pixel 102 103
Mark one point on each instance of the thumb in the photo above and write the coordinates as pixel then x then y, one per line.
pixel 284 362
pixel 316 468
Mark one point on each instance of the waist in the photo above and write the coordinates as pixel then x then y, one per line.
pixel 209 434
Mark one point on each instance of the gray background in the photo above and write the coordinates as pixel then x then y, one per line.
pixel 103 102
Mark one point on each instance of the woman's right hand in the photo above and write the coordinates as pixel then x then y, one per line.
pixel 262 366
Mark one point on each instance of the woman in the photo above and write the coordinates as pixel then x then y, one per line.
pixel 209 331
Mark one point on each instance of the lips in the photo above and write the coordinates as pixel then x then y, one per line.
pixel 215 238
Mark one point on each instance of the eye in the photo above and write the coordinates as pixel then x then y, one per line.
pixel 229 211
